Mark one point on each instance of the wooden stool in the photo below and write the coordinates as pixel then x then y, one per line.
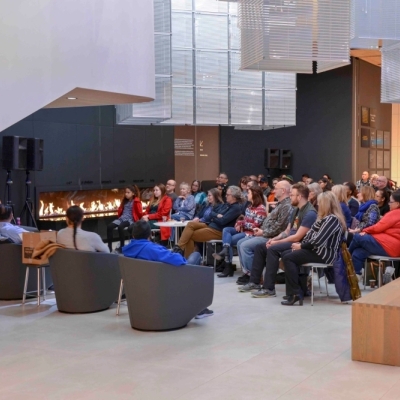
pixel 40 272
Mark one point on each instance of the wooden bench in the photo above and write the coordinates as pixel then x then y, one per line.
pixel 376 326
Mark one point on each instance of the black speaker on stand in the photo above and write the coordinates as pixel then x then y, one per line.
pixel 34 162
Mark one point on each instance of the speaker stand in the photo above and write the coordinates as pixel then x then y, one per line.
pixel 9 203
pixel 27 209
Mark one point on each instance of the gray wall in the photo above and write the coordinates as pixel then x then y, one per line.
pixel 321 141
pixel 83 148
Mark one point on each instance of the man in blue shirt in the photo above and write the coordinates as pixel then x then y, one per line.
pixel 143 248
pixel 302 218
pixel 7 229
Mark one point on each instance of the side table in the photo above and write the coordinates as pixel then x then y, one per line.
pixel 40 274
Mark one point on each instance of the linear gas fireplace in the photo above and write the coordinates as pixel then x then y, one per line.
pixel 52 206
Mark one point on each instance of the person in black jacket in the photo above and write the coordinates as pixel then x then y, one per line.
pixel 218 219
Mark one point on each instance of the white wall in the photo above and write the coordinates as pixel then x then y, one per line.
pixel 50 47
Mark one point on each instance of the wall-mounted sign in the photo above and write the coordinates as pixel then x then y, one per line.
pixel 365 139
pixel 372 118
pixel 184 147
pixel 364 116
pixel 372 135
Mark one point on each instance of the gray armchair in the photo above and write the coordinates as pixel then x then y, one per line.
pixel 164 297
pixel 12 273
pixel 84 281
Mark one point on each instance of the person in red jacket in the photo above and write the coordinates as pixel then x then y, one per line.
pixel 129 212
pixel 381 239
pixel 160 206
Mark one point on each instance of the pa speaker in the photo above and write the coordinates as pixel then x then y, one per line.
pixel 34 161
pixel 285 159
pixel 14 152
pixel 271 158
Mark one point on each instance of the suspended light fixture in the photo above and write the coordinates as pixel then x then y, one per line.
pixel 288 35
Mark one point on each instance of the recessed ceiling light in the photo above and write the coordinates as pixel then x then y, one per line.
pixel 71 98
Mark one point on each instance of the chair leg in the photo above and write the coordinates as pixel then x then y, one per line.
pixel 312 286
pixel 365 272
pixel 44 283
pixel 326 285
pixel 121 287
pixel 380 266
pixel 319 280
pixel 25 285
pixel 215 260
pixel 38 286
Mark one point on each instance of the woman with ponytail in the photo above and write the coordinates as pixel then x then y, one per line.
pixel 73 237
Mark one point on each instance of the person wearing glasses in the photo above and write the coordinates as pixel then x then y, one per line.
pixel 381 239
pixel 218 219
pixel 382 183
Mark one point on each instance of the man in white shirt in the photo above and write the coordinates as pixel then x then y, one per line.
pixel 7 229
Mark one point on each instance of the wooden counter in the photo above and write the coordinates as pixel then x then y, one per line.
pixel 376 326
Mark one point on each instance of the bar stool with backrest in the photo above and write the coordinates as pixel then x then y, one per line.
pixel 317 266
pixel 381 264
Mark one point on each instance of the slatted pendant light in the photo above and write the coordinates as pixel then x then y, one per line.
pixel 390 74
pixel 288 35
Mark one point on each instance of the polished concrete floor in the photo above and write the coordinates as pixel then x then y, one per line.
pixel 250 349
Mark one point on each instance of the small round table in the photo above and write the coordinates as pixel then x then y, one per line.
pixel 173 224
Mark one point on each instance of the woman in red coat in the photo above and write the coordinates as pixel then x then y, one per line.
pixel 160 206
pixel 129 212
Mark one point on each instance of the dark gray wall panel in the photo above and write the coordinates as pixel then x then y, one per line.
pixel 321 142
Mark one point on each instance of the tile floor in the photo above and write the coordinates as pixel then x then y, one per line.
pixel 250 349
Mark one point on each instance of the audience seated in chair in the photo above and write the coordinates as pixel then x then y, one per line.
pixel 352 201
pixel 254 216
pixel 218 220
pixel 143 248
pixel 185 205
pixel 129 212
pixel 320 245
pixel 73 237
pixel 273 225
pixel 368 213
pixel 302 218
pixel 340 191
pixel 196 191
pixel 314 191
pixel 159 207
pixel 381 239
pixel 7 229
pixel 382 197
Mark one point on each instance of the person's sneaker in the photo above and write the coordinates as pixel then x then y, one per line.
pixel 243 280
pixel 205 313
pixel 264 293
pixel 249 287
pixel 177 249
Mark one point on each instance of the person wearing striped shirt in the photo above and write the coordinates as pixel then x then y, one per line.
pixel 320 245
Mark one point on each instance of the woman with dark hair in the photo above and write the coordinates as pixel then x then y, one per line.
pixel 129 212
pixel 244 180
pixel 213 202
pixel 7 229
pixel 381 239
pixel 199 196
pixel 352 201
pixel 325 184
pixel 320 245
pixel 382 197
pixel 73 237
pixel 326 176
pixel 159 208
pixel 254 216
